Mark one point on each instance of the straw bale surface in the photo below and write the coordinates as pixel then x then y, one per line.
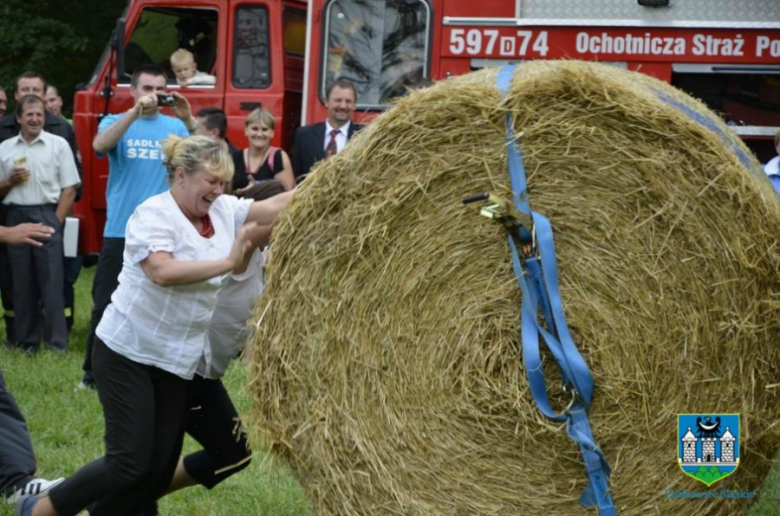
pixel 388 366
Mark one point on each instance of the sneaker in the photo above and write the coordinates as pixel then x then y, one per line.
pixel 24 506
pixel 85 385
pixel 35 487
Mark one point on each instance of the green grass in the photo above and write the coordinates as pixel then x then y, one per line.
pixel 67 429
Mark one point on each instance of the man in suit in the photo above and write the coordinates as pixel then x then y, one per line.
pixel 318 141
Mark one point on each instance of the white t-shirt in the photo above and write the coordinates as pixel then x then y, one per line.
pixel 166 327
pixel 228 331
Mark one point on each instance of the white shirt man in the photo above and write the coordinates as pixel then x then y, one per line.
pixel 38 178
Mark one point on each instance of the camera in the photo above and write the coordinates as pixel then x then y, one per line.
pixel 165 99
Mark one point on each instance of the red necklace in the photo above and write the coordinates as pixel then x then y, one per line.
pixel 208 227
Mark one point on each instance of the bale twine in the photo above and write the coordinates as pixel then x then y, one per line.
pixel 388 366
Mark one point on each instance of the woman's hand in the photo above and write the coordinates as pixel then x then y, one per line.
pixel 242 246
pixel 240 192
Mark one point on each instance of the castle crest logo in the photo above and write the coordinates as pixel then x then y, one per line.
pixel 708 445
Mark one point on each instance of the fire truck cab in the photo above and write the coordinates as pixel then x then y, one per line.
pixel 282 54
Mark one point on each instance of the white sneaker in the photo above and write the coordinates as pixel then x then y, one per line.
pixel 36 486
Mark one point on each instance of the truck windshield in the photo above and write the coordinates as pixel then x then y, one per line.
pixel 381 46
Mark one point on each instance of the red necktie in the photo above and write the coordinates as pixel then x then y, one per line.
pixel 331 149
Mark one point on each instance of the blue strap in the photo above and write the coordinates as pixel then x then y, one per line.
pixel 597 491
pixel 538 280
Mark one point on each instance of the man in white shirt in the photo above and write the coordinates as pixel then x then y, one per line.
pixel 318 141
pixel 39 181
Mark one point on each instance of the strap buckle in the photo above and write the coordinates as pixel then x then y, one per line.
pixel 575 396
pixel 519 225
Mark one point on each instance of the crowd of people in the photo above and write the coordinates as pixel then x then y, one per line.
pixel 188 217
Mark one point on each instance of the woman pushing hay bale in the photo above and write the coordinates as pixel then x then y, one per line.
pixel 388 364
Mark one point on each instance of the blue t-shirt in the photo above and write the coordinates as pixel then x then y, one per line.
pixel 135 165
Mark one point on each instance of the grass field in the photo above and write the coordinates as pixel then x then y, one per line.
pixel 67 430
pixel 67 427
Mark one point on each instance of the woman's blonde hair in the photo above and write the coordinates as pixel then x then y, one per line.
pixel 196 153
pixel 260 115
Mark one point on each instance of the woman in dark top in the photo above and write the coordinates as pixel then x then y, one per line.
pixel 261 161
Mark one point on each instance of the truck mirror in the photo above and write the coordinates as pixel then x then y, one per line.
pixel 119 47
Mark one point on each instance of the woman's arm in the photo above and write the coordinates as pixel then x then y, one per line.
pixel 265 212
pixel 286 175
pixel 259 236
pixel 164 270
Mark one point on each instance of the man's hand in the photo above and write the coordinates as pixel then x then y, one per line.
pixel 19 175
pixel 25 234
pixel 145 105
pixel 183 110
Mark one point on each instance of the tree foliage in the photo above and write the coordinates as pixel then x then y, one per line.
pixel 60 39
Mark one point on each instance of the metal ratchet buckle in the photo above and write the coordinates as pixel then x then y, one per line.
pixel 571 391
pixel 504 212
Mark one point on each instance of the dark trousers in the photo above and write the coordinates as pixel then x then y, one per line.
pixel 144 410
pixel 6 285
pixel 71 267
pixel 17 460
pixel 213 421
pixel 105 283
pixel 38 282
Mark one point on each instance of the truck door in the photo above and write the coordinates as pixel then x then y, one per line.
pixel 154 33
pixel 155 29
pixel 265 65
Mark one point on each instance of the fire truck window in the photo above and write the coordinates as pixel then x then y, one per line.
pixel 381 46
pixel 160 31
pixel 251 58
pixel 294 32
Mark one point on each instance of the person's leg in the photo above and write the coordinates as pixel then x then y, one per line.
pixel 127 392
pixel 26 300
pixel 17 460
pixel 71 267
pixel 6 285
pixel 170 394
pixel 48 264
pixel 213 421
pixel 105 282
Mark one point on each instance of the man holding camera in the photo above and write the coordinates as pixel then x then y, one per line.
pixel 133 142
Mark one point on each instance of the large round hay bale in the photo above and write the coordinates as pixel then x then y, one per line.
pixel 388 365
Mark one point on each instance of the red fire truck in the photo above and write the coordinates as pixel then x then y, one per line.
pixel 281 54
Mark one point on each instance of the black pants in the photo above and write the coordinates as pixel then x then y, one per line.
pixel 71 267
pixel 105 283
pixel 213 421
pixel 144 409
pixel 38 282
pixel 17 460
